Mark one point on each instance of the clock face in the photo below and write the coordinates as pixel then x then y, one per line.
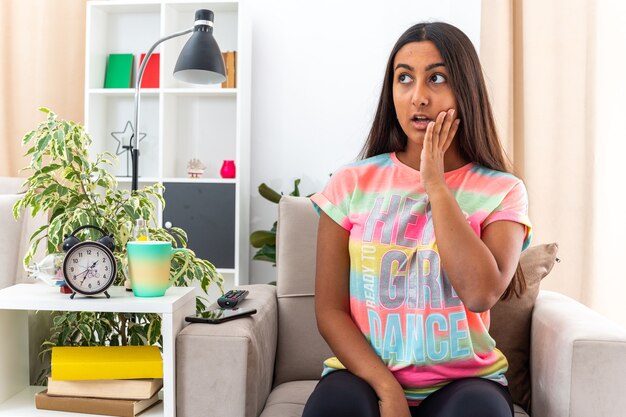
pixel 89 268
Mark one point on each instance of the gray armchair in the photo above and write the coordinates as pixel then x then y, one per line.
pixel 267 364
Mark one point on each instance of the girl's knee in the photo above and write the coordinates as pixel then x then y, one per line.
pixel 471 397
pixel 340 394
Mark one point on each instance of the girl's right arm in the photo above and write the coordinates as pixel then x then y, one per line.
pixel 332 310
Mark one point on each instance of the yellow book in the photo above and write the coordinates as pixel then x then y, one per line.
pixel 106 362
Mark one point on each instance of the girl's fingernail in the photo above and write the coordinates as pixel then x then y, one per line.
pixel 452 113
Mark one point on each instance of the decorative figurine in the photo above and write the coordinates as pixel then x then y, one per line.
pixel 123 139
pixel 195 168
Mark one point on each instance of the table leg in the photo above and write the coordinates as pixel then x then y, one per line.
pixel 171 325
pixel 14 375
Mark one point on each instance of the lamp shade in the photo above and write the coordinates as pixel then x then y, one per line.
pixel 200 61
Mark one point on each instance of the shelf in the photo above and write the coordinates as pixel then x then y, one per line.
pixel 124 180
pixel 15 303
pixel 22 404
pixel 44 297
pixel 122 92
pixel 192 5
pixel 181 121
pixel 130 92
pixel 202 91
pixel 202 180
pixel 136 6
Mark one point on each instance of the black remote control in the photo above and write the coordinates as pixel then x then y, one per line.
pixel 232 298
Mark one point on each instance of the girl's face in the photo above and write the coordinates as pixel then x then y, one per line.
pixel 421 89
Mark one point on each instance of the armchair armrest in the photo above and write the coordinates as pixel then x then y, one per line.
pixel 577 360
pixel 227 369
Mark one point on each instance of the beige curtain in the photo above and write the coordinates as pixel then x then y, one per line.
pixel 541 59
pixel 43 65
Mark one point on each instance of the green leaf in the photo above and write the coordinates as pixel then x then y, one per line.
pixel 60 142
pixel 262 237
pixel 27 138
pixel 30 151
pixel 266 253
pixel 58 320
pixel 42 144
pixel 37 232
pixel 296 191
pixel 269 194
pixel 50 168
pixel 17 208
pixel 62 191
pixel 63 336
pixel 154 331
pixel 85 332
pixel 130 211
pixel 49 190
pixel 51 247
pixel 55 235
pixel 31 251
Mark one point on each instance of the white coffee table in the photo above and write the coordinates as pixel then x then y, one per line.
pixel 16 394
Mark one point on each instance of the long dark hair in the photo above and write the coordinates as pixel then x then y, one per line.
pixel 477 137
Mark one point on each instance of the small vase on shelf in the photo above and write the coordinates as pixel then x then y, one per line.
pixel 228 169
pixel 49 269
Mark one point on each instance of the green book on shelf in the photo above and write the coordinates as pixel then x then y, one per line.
pixel 119 71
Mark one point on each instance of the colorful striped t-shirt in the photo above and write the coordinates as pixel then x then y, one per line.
pixel 400 297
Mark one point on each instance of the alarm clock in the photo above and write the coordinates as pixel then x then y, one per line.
pixel 89 266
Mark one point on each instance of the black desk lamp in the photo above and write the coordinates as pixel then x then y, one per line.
pixel 200 62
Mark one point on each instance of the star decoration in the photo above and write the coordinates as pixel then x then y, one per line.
pixel 123 138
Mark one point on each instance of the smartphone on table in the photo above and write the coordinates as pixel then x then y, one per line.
pixel 220 315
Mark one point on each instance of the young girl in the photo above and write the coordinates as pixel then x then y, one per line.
pixel 417 242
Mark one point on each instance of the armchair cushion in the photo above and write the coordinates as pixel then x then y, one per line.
pixel 288 399
pixel 10 240
pixel 510 321
pixel 578 360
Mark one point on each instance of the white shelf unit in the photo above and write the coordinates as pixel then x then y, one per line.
pixel 181 121
pixel 17 397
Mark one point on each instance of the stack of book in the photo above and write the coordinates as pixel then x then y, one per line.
pixel 119 71
pixel 110 380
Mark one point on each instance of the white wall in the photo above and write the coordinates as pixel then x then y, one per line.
pixel 604 291
pixel 317 70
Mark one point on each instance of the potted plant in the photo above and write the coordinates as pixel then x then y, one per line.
pixel 265 240
pixel 74 190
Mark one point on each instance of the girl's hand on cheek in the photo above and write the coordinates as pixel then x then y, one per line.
pixel 438 138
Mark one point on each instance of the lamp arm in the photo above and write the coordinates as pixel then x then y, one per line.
pixel 135 149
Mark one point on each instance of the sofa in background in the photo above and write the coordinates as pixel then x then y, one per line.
pixel 267 364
